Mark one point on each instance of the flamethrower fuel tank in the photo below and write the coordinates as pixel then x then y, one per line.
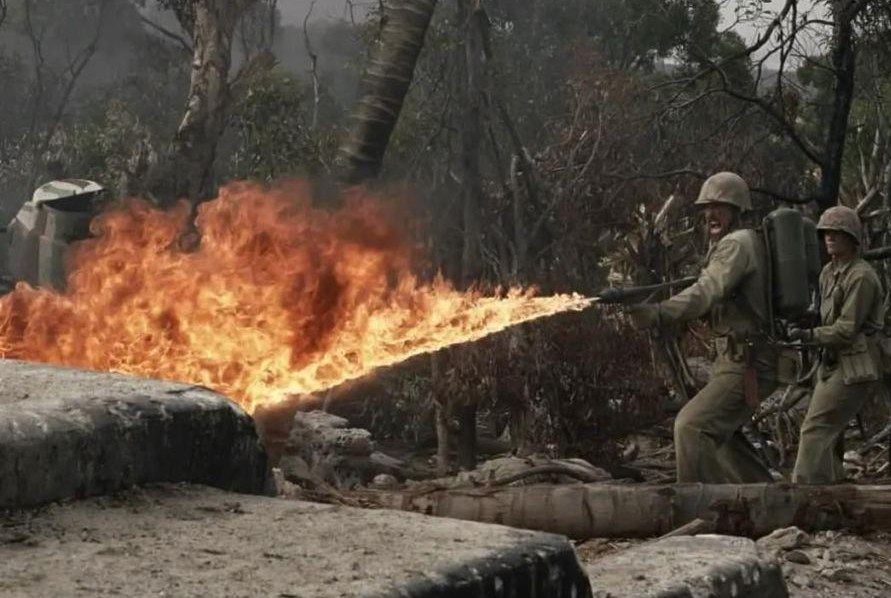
pixel 814 251
pixel 792 267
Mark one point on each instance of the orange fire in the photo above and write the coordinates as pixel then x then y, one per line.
pixel 280 299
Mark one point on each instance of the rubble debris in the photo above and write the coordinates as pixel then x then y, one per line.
pixel 831 563
pixel 321 448
pixel 505 471
pixel 797 556
pixel 384 481
pixel 786 538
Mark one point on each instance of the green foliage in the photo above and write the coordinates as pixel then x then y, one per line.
pixel 272 130
pixel 114 147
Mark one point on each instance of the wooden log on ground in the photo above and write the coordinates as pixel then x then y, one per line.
pixel 583 511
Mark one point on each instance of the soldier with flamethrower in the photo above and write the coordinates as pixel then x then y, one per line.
pixel 733 290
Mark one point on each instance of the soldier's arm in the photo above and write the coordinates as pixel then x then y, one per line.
pixel 860 293
pixel 728 265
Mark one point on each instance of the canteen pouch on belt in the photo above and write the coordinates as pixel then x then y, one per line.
pixel 857 363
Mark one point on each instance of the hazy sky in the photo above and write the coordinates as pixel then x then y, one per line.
pixel 294 11
pixel 750 29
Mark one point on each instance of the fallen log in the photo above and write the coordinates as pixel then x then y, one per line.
pixel 583 511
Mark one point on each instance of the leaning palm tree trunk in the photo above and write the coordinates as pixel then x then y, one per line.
pixel 385 85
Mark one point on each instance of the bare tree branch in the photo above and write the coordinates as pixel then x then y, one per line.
pixel 681 172
pixel 186 46
pixel 40 141
pixel 313 70
pixel 812 153
pixel 746 52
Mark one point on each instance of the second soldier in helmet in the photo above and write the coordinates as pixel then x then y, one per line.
pixel 851 316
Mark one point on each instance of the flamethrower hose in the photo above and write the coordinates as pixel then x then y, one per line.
pixel 765 227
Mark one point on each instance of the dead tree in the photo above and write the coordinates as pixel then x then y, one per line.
pixel 469 15
pixel 211 25
pixel 583 511
pixel 843 58
pixel 385 85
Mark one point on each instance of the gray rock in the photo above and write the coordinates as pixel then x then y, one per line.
pixel 838 574
pixel 786 538
pixel 384 480
pixel 797 556
pixel 801 581
pixel 321 447
pixel 319 432
pixel 68 433
pixel 686 566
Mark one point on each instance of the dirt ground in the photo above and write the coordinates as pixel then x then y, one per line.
pixel 831 564
pixel 821 565
pixel 182 541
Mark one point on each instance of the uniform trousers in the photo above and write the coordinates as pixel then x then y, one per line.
pixel 709 445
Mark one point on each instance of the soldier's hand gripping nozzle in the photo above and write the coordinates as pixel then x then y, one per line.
pixel 628 295
pixel 642 315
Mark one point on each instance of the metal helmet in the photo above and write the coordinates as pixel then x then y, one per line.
pixel 727 188
pixel 844 219
pixel 63 189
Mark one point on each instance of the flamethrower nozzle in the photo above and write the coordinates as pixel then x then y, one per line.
pixel 631 294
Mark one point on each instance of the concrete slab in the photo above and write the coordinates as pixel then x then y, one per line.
pixel 67 433
pixel 188 541
pixel 688 567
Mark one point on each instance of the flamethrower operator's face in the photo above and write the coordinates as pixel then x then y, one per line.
pixel 720 218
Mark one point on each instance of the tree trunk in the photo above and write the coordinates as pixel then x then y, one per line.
pixel 385 85
pixel 583 511
pixel 441 415
pixel 212 25
pixel 844 63
pixel 471 139
pixel 469 15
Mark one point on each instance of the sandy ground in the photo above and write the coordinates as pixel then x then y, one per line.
pixel 822 565
pixel 190 541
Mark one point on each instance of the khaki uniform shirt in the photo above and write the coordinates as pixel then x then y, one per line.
pixel 732 289
pixel 851 312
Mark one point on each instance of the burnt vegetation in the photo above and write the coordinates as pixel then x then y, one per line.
pixel 540 138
